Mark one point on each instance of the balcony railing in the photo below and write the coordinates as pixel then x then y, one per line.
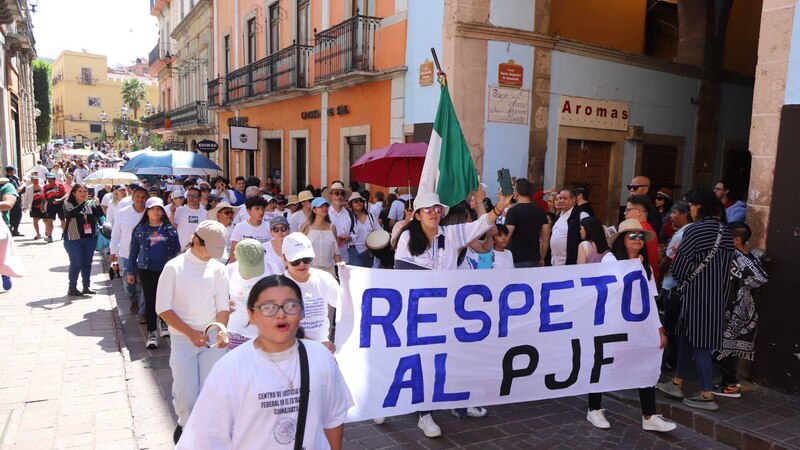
pixel 216 92
pixel 195 113
pixel 154 121
pixel 285 69
pixel 346 47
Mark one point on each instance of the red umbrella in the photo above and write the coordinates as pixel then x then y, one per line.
pixel 395 165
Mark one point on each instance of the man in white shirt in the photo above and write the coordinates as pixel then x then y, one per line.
pixel 374 208
pixel 242 215
pixel 187 217
pixel 340 218
pixel 397 208
pixel 254 227
pixel 80 173
pixel 125 220
pixel 566 234
pixel 40 170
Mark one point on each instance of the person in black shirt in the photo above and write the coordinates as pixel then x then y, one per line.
pixel 583 199
pixel 525 221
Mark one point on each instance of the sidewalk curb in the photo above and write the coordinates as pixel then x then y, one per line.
pixel 709 424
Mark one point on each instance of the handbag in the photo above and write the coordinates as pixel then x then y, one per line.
pixel 102 242
pixel 303 407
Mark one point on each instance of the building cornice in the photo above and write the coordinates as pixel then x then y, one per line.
pixel 181 30
pixel 555 43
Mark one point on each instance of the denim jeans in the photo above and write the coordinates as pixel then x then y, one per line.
pixel 523 264
pixel 702 359
pixel 356 259
pixel 131 290
pixel 190 367
pixel 80 252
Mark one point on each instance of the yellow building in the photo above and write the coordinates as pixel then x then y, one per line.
pixel 83 88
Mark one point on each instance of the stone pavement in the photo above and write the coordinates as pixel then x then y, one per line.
pixel 63 379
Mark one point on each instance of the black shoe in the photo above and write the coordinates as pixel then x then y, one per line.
pixel 73 292
pixel 88 291
pixel 176 436
pixel 17 234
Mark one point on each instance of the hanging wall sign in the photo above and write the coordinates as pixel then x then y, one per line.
pixel 207 146
pixel 509 74
pixel 426 73
pixel 509 105
pixel 244 138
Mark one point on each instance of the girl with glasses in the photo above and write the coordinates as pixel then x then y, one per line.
pixel 629 243
pixel 234 410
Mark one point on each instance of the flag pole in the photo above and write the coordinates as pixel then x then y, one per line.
pixel 436 61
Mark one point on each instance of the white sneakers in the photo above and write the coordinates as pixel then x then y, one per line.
pixel 428 426
pixel 163 329
pixel 152 340
pixel 379 420
pixel 598 419
pixel 656 422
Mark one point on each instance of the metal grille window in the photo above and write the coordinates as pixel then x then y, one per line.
pixel 274 27
pixel 251 41
pixel 227 54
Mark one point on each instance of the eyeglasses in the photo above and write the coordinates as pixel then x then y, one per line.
pixel 291 308
pixel 633 236
pixel 227 212
pixel 633 187
pixel 280 229
pixel 193 196
pixel 433 209
pixel 296 262
pixel 337 193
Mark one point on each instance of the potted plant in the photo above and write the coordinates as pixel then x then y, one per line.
pixel 167 121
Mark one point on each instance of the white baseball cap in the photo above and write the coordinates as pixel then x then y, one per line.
pixel 297 246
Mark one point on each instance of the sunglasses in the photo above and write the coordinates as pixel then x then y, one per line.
pixel 633 187
pixel 280 229
pixel 337 193
pixel 633 236
pixel 280 203
pixel 296 262
pixel 659 197
pixel 227 212
pixel 438 209
pixel 358 200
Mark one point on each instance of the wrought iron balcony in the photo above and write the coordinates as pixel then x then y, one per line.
pixel 154 121
pixel 346 47
pixel 279 71
pixel 216 92
pixel 195 113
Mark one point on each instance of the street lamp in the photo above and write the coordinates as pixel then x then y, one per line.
pixel 104 121
pixel 123 114
pixel 149 109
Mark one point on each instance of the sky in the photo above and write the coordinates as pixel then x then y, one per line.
pixel 123 30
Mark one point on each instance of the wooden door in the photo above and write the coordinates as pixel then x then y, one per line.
pixel 587 164
pixel 659 164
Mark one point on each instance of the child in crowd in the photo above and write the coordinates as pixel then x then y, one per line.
pixel 501 258
pixel 741 318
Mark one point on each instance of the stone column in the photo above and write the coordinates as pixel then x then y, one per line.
pixel 768 96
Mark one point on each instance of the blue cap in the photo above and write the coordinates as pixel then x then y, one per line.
pixel 319 201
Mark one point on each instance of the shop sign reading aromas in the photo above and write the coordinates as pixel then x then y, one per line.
pixel 593 113
pixel 509 105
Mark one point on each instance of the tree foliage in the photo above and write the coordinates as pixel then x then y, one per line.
pixel 133 94
pixel 43 98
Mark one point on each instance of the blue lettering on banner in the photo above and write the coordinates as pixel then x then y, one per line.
pixel 411 363
pixel 461 298
pixel 395 301
pixel 627 294
pixel 601 284
pixel 415 318
pixel 547 309
pixel 439 395
pixel 507 311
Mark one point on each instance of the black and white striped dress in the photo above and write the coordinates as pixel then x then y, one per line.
pixel 702 316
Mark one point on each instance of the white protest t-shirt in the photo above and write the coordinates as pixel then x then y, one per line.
pixel 271 258
pixel 320 290
pixel 186 221
pixel 239 290
pixel 247 403
pixel 244 231
pixel 297 220
pixel 503 260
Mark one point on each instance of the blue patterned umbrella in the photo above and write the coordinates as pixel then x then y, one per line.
pixel 171 162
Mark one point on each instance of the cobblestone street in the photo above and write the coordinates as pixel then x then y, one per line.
pixel 76 374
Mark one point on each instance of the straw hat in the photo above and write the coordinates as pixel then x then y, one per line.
pixel 304 195
pixel 628 225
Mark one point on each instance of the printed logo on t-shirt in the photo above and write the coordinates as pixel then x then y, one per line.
pixel 156 237
pixel 193 219
pixel 285 430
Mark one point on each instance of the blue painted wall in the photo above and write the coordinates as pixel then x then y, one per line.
pixel 792 96
pixel 425 19
pixel 505 144
pixel 659 102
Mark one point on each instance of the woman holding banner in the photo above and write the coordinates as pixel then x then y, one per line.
pixel 629 243
pixel 426 244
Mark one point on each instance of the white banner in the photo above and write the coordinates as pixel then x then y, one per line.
pixel 425 340
pixel 244 138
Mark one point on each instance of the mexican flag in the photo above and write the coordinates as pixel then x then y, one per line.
pixel 448 170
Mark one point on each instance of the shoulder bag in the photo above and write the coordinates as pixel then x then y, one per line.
pixel 303 411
